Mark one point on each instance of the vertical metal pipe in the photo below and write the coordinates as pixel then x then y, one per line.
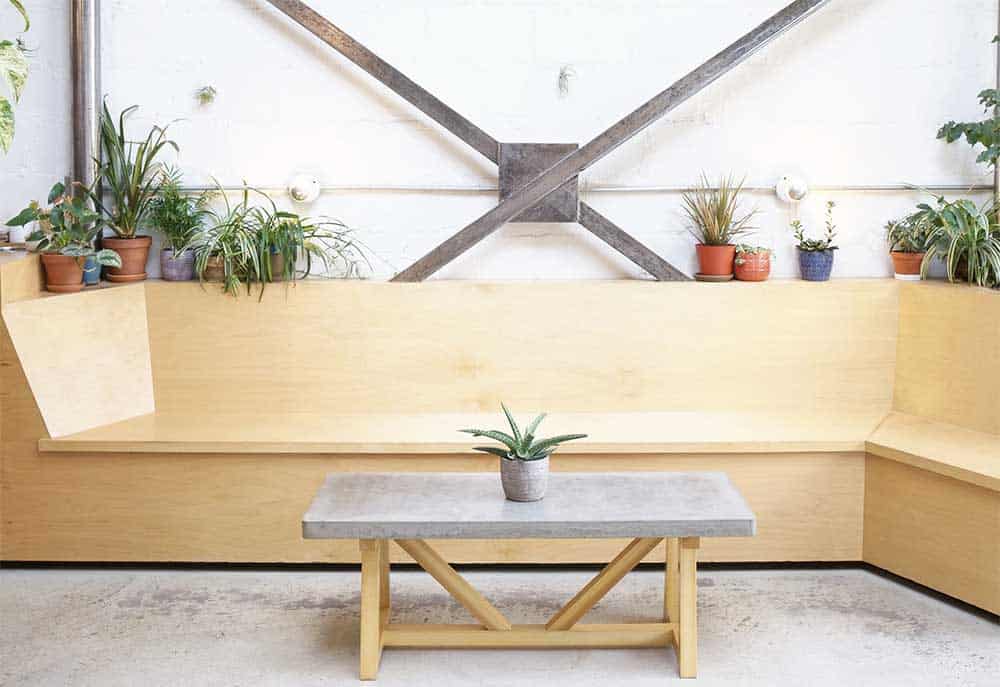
pixel 85 46
pixel 996 113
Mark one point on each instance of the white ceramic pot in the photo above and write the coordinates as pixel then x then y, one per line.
pixel 524 480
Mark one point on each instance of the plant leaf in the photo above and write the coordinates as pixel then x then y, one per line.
pixel 6 124
pixel 513 425
pixel 26 215
pixel 13 67
pixel 494 450
pixel 553 442
pixel 24 13
pixel 505 439
pixel 108 258
pixel 530 431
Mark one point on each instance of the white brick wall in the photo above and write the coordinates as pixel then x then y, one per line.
pixel 853 96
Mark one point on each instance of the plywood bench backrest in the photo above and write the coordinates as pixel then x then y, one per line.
pixel 949 355
pixel 460 346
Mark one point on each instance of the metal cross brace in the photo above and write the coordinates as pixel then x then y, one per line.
pixel 538 181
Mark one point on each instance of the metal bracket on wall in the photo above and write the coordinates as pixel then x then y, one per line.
pixel 538 182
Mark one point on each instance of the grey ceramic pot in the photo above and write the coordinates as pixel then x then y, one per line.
pixel 180 268
pixel 524 480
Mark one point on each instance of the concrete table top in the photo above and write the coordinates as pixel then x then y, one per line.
pixel 435 505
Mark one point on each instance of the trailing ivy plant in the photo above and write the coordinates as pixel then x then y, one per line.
pixel 520 445
pixel 14 68
pixel 985 133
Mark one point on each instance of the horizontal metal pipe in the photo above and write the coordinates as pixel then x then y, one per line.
pixel 599 188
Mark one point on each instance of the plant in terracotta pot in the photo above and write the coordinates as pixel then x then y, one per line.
pixel 716 222
pixel 908 238
pixel 753 263
pixel 227 246
pixel 967 238
pixel 177 217
pixel 816 255
pixel 66 235
pixel 524 460
pixel 130 176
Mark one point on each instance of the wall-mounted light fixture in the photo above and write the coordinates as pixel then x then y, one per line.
pixel 792 188
pixel 304 188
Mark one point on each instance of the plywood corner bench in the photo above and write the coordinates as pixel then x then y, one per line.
pixel 680 508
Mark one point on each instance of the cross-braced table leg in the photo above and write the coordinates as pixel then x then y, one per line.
pixel 687 628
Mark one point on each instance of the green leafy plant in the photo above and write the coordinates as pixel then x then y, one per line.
pixel 14 69
pixel 985 133
pixel 911 234
pixel 67 227
pixel 714 212
pixel 967 238
pixel 229 236
pixel 175 215
pixel 322 240
pixel 520 445
pixel 206 95
pixel 817 245
pixel 131 174
pixel 745 249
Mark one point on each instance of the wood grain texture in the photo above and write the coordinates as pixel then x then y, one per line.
pixel 86 356
pixel 949 355
pixel 949 450
pixel 21 276
pixel 604 636
pixel 437 433
pixel 232 508
pixel 934 530
pixel 354 347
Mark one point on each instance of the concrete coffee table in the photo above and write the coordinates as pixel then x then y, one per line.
pixel 410 508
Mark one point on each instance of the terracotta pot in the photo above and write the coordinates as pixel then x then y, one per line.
pixel 907 265
pixel 63 274
pixel 754 267
pixel 215 269
pixel 716 260
pixel 134 254
pixel 277 267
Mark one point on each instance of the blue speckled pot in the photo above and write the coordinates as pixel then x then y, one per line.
pixel 816 265
pixel 91 271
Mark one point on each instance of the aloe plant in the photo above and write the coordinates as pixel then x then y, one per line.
pixel 520 445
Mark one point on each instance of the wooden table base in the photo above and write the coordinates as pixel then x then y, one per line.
pixel 678 629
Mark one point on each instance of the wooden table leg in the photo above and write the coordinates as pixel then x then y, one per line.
pixel 687 644
pixel 671 592
pixel 371 607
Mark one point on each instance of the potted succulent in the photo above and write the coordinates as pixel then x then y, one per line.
pixel 524 460
pixel 967 238
pixel 816 255
pixel 908 239
pixel 131 177
pixel 753 263
pixel 715 221
pixel 177 217
pixel 65 238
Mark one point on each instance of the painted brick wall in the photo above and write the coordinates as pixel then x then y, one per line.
pixel 853 96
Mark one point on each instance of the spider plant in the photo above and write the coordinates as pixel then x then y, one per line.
pixel 520 445
pixel 714 212
pixel 287 237
pixel 967 238
pixel 131 174
pixel 230 238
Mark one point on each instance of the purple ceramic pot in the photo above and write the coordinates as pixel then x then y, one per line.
pixel 180 268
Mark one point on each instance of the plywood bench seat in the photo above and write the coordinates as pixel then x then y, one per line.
pixel 436 433
pixel 945 449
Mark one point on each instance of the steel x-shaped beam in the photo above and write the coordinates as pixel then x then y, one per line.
pixel 568 168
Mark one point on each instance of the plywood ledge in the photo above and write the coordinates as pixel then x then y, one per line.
pixel 948 450
pixel 437 433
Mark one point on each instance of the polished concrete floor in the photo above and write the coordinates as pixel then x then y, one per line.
pixel 841 627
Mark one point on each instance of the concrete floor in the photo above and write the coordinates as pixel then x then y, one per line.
pixel 299 628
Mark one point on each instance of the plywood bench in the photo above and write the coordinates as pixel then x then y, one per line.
pixel 410 508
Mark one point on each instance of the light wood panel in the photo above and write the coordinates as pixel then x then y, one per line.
pixel 85 355
pixel 949 355
pixel 436 433
pixel 211 508
pixel 935 530
pixel 350 347
pixel 605 636
pixel 21 277
pixel 948 450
